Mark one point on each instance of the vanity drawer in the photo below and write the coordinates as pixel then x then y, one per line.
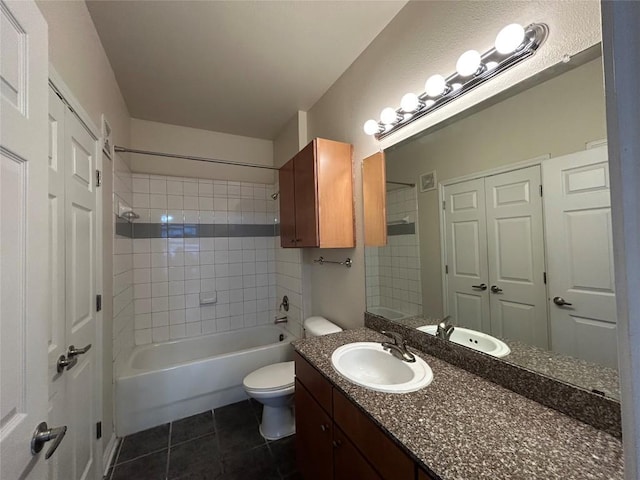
pixel 388 459
pixel 313 380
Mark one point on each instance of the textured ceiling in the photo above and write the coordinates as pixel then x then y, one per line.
pixel 240 67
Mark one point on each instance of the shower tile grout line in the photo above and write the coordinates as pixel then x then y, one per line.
pixel 166 468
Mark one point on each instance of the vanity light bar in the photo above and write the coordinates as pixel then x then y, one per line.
pixel 513 45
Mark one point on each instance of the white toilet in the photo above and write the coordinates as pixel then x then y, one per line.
pixel 273 386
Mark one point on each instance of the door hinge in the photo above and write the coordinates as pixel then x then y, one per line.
pixel 98 303
pixel 444 204
pixel 446 269
pixel 99 430
pixel 544 277
pixel 540 190
pixel 98 178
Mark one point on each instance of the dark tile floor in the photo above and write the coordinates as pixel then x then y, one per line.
pixel 222 444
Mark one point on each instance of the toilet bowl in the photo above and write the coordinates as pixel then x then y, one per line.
pixel 273 387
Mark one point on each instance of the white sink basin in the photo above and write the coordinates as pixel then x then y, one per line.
pixel 368 365
pixel 476 340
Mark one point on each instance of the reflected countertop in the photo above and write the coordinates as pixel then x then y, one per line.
pixel 463 426
pixel 583 374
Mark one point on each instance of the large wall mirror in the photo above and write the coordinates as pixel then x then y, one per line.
pixel 501 219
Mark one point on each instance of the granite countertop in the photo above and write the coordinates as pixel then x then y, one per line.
pixel 464 427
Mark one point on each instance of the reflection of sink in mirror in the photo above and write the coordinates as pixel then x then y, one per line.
pixel 477 340
pixel 388 313
pixel 367 364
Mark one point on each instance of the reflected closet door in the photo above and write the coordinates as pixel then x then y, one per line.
pixel 466 257
pixel 516 256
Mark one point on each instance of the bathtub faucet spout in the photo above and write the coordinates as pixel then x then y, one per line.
pixel 282 319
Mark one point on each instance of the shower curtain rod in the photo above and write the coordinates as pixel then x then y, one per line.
pixel 190 157
pixel 401 183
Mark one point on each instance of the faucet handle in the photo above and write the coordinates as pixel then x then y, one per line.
pixel 397 338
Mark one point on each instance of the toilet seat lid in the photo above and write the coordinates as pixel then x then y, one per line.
pixel 271 377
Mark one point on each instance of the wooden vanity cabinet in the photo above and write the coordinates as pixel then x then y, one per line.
pixel 316 197
pixel 336 440
pixel 314 437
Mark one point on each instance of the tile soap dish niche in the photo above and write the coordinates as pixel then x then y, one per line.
pixel 208 298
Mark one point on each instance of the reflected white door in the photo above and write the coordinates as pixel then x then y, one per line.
pixel 516 256
pixel 580 256
pixel 24 290
pixel 72 196
pixel 466 254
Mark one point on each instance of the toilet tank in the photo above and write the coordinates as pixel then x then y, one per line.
pixel 317 326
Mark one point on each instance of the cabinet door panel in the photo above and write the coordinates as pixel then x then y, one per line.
pixel 287 205
pixel 422 475
pixel 314 428
pixel 306 198
pixel 376 446
pixel 348 463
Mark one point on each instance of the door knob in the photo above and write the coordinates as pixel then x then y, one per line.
pixel 482 286
pixel 73 351
pixel 66 362
pixel 495 289
pixel 561 302
pixel 337 443
pixel 43 434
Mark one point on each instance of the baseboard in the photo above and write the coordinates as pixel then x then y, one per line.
pixel 109 453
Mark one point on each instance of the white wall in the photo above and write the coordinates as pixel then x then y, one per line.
pixel 424 38
pixel 77 55
pixel 162 137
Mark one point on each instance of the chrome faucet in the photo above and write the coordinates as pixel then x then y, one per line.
pixel 282 319
pixel 445 329
pixel 398 348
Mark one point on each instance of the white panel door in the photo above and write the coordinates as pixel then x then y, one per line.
pixel 516 256
pixel 466 255
pixel 24 291
pixel 61 463
pixel 80 153
pixel 580 256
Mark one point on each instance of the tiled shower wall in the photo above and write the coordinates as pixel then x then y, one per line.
pixel 123 309
pixel 202 236
pixel 289 282
pixel 393 271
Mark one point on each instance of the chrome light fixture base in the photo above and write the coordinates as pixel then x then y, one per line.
pixel 492 64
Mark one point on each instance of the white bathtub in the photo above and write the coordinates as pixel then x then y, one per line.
pixel 167 381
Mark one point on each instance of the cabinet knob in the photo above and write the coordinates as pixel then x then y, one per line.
pixel 324 427
pixel 337 443
pixel 298 239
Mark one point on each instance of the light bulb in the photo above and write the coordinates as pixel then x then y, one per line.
pixel 388 116
pixel 371 127
pixel 435 85
pixel 456 86
pixel 468 63
pixel 491 65
pixel 509 38
pixel 410 102
pixel 428 103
